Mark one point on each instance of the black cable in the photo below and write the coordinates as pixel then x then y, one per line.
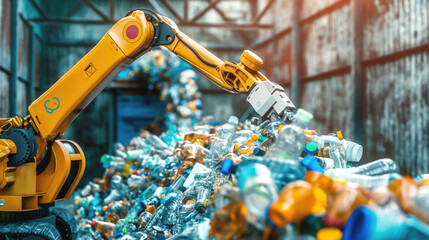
pixel 43 163
pixel 196 53
pixel 144 10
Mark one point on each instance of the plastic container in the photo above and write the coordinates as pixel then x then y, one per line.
pixel 257 188
pixel 374 168
pixel 290 141
pixel 296 201
pixel 376 224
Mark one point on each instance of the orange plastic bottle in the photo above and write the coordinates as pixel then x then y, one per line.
pixel 321 185
pixel 191 154
pixel 342 201
pixel 296 201
pixel 404 189
pixel 229 222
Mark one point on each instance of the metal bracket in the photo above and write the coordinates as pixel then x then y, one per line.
pixel 163 33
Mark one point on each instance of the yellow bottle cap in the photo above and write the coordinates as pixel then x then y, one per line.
pixel 236 146
pixel 340 135
pixel 280 128
pixel 329 234
pixel 254 137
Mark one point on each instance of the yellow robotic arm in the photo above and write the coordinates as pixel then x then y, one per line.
pixel 126 41
pixel 36 168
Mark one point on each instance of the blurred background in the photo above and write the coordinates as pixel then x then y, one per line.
pixel 360 66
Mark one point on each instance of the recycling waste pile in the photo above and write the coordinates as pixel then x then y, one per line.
pixel 201 179
pixel 242 181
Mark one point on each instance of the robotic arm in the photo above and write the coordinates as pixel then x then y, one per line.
pixel 58 164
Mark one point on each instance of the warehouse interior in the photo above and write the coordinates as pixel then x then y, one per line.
pixel 360 67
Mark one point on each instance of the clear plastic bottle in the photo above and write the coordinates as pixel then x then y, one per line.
pixel 116 183
pixel 223 142
pixel 154 200
pixel 171 214
pixel 351 151
pixel 257 188
pixel 421 203
pixel 326 163
pixel 378 167
pixel 290 141
pixel 174 187
pixel 362 180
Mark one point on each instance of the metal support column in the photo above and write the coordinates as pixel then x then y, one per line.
pixel 31 66
pixel 274 43
pixel 44 67
pixel 296 46
pixel 357 71
pixel 13 88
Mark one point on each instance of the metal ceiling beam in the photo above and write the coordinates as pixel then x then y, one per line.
pixel 186 10
pixel 158 8
pixel 69 15
pixel 244 26
pixel 112 9
pixel 203 12
pixel 96 10
pixel 38 9
pixel 171 9
pixel 264 11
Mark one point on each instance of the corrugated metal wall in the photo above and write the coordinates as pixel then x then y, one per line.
pixel 24 76
pixel 395 72
pixel 395 79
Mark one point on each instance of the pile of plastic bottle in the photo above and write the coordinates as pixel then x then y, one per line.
pixel 242 181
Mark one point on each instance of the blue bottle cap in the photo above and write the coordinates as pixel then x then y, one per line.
pixel 143 205
pixel 258 152
pixel 170 195
pixel 360 224
pixel 119 235
pixel 226 166
pixel 311 164
pixel 215 123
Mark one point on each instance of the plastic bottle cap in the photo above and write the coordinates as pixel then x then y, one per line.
pixel 280 128
pixel 394 176
pixel 226 166
pixel 93 222
pixel 233 120
pixel 311 148
pixel 255 137
pixel 354 151
pixel 340 135
pixel 258 152
pixel 360 224
pixel 262 138
pixel 303 116
pixel 329 234
pixel 236 147
pixel 215 123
